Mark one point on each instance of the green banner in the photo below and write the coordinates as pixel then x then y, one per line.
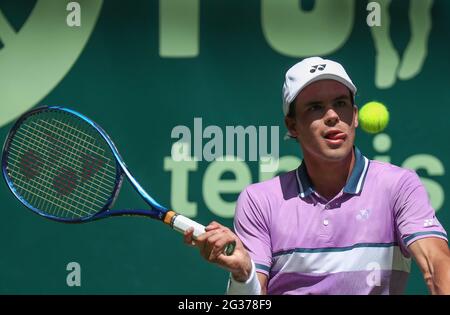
pixel 209 73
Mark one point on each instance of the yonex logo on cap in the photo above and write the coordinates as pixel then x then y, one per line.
pixel 318 67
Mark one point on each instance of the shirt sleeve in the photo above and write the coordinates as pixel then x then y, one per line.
pixel 252 229
pixel 414 216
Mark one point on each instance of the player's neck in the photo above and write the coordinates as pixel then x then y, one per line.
pixel 328 178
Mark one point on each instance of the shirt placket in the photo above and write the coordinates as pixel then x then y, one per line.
pixel 326 224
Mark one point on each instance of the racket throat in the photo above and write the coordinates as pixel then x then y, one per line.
pixel 155 214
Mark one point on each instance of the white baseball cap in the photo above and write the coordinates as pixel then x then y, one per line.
pixel 310 70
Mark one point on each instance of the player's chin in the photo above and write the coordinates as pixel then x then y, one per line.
pixel 335 143
pixel 337 150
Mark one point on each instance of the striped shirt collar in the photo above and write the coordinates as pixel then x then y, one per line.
pixel 353 186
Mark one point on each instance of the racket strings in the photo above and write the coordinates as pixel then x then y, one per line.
pixel 47 177
pixel 61 165
pixel 66 180
pixel 70 150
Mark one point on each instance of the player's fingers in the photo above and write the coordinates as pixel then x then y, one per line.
pixel 212 226
pixel 219 244
pixel 189 237
pixel 205 242
pixel 206 235
pixel 215 244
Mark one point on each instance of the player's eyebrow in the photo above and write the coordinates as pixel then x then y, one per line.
pixel 342 97
pixel 312 103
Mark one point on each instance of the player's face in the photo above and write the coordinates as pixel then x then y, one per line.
pixel 325 120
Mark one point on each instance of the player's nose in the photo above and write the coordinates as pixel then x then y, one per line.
pixel 331 117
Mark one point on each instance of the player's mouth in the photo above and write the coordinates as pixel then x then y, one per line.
pixel 334 137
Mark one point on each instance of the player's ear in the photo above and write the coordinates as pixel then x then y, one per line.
pixel 355 115
pixel 291 125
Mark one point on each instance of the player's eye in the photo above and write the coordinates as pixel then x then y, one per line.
pixel 341 103
pixel 315 107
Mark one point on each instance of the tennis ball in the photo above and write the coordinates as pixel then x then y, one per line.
pixel 373 117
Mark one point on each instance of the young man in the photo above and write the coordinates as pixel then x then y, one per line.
pixel 340 223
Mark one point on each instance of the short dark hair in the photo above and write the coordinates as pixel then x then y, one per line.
pixel 291 112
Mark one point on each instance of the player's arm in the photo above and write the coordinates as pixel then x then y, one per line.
pixel 433 257
pixel 263 281
pixel 239 264
pixel 421 232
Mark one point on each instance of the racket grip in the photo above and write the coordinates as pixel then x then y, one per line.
pixel 181 224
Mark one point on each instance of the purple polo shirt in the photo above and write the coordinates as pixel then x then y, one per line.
pixel 355 243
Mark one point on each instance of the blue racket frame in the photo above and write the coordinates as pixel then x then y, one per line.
pixel 156 210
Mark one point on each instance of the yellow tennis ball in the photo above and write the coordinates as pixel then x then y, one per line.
pixel 373 117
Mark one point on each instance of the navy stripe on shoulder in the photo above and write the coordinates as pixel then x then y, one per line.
pixel 407 239
pixel 358 175
pixel 262 267
pixel 332 249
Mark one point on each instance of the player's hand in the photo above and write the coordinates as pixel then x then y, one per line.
pixel 212 244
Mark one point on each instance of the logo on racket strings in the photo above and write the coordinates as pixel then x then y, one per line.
pixel 67 178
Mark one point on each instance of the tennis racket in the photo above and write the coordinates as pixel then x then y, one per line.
pixel 64 167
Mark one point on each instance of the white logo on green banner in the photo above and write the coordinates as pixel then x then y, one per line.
pixel 43 45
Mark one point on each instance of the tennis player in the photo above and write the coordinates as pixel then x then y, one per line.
pixel 338 224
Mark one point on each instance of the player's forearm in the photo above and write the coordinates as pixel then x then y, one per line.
pixel 438 279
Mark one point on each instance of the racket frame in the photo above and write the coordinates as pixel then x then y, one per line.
pixel 156 210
